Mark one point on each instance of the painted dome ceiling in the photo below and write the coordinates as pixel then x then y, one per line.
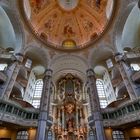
pixel 68 24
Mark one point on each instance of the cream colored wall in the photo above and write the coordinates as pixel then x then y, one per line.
pixel 5 133
pixel 32 134
pixel 134 132
pixel 8 133
pixel 108 133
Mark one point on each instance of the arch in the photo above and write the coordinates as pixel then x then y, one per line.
pixel 103 51
pixel 131 30
pixel 102 72
pixel 32 52
pixel 101 93
pixel 63 64
pixel 13 31
pixel 120 23
pixel 37 93
pixel 7 34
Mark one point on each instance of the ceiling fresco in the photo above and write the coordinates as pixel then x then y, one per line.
pixel 68 24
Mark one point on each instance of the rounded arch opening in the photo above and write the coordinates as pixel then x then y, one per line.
pixel 131 30
pixel 7 34
pixel 122 34
pixel 11 32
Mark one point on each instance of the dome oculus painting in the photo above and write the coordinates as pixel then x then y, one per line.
pixel 55 21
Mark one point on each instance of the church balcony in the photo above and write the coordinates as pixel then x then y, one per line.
pixel 136 77
pixel 133 57
pixel 14 113
pixel 3 77
pixel 6 57
pixel 123 114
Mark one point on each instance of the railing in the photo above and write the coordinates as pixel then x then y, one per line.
pixel 133 55
pixel 123 114
pixel 7 56
pixel 14 113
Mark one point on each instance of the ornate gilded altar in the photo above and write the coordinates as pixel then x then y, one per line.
pixel 70 110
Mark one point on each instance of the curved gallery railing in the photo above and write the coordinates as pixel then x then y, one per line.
pixel 16 114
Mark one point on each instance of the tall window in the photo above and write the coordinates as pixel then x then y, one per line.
pixel 22 135
pixel 28 63
pixel 109 63
pixel 118 135
pixel 101 93
pixel 37 93
pixel 135 67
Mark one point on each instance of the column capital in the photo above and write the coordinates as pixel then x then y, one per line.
pixel 90 72
pixel 119 57
pixel 19 57
pixel 48 72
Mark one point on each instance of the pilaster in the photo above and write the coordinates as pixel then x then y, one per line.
pixel 12 73
pixel 95 105
pixel 44 106
pixel 126 76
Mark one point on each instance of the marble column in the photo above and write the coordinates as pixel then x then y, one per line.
pixel 44 105
pixel 95 105
pixel 12 73
pixel 126 76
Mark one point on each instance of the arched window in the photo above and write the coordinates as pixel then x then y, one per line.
pixel 37 93
pixel 109 63
pixel 22 135
pixel 118 135
pixel 28 63
pixel 69 44
pixel 101 93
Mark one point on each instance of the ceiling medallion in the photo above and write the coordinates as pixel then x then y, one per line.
pixel 68 4
pixel 68 24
